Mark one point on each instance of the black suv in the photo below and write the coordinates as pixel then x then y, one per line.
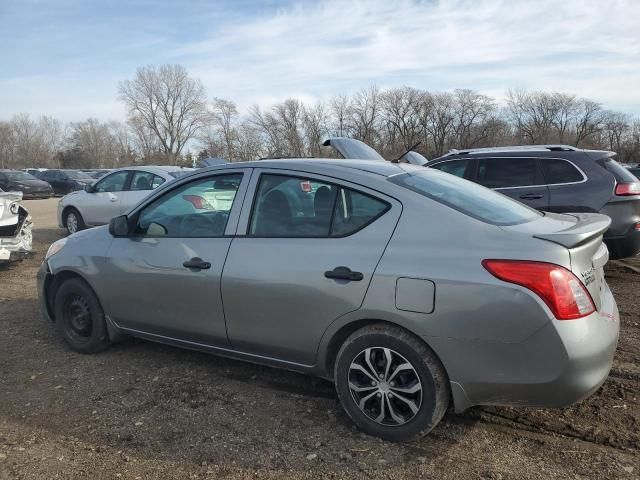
pixel 558 178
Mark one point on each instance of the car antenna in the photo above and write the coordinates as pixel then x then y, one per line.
pixel 397 160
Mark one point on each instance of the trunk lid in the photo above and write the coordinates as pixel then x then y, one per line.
pixel 581 234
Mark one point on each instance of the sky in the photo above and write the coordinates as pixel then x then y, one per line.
pixel 65 58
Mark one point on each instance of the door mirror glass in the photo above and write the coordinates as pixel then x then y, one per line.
pixel 88 188
pixel 119 226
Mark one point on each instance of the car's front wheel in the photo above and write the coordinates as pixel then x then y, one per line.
pixel 73 221
pixel 80 318
pixel 391 383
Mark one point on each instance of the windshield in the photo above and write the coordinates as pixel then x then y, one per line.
pixel 466 197
pixel 18 176
pixel 78 175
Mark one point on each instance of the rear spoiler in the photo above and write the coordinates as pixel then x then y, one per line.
pixel 588 227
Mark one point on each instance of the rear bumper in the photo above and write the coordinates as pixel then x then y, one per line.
pixel 562 363
pixel 624 246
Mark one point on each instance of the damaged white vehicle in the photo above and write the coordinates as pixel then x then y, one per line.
pixel 15 228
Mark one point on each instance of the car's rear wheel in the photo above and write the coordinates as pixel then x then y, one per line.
pixel 73 221
pixel 391 383
pixel 80 318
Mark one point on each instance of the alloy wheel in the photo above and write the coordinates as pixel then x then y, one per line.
pixel 72 222
pixel 385 386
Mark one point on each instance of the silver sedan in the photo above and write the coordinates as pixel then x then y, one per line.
pixel 410 288
pixel 112 195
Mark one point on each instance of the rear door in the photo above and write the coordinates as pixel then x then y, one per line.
pixel 517 177
pixel 306 250
pixel 142 184
pixel 103 203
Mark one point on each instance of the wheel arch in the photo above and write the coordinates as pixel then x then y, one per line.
pixel 54 283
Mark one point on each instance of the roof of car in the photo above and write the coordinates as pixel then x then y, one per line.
pixel 524 150
pixel 377 167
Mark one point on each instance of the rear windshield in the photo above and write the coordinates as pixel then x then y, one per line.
pixel 467 197
pixel 621 173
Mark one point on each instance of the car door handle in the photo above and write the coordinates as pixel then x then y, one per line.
pixel 113 197
pixel 196 263
pixel 344 273
pixel 531 196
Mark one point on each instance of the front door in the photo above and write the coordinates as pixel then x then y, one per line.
pixel 308 253
pixel 165 278
pixel 103 203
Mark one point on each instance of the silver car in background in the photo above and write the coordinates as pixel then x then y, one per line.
pixel 410 288
pixel 112 195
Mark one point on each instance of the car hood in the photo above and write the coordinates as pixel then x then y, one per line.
pixel 352 148
pixel 9 197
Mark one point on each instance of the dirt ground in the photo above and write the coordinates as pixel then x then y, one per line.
pixel 145 411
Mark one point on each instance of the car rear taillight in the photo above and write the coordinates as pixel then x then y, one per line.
pixel 560 289
pixel 198 202
pixel 628 188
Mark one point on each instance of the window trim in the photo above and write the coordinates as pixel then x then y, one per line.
pixel 235 207
pixel 308 176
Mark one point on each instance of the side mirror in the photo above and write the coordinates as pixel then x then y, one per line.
pixel 88 188
pixel 119 226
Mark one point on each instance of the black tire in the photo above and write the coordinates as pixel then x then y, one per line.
pixel 80 318
pixel 427 372
pixel 68 222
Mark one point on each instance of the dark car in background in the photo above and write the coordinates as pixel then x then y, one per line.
pixel 30 186
pixel 66 181
pixel 558 178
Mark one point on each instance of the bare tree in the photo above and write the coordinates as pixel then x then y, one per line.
pixel 364 113
pixel 6 145
pixel 401 115
pixel 474 117
pixel 95 142
pixel 587 121
pixel 169 103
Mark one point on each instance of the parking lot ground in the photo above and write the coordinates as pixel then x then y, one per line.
pixel 145 411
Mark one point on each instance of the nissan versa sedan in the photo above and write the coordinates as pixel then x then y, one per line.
pixel 410 288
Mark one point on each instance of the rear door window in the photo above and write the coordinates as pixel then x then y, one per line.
pixel 287 206
pixel 145 181
pixel 507 172
pixel 556 170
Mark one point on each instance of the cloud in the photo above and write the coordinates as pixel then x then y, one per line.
pixel 315 49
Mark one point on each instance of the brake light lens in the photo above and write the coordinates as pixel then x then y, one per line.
pixel 629 188
pixel 560 289
pixel 198 202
